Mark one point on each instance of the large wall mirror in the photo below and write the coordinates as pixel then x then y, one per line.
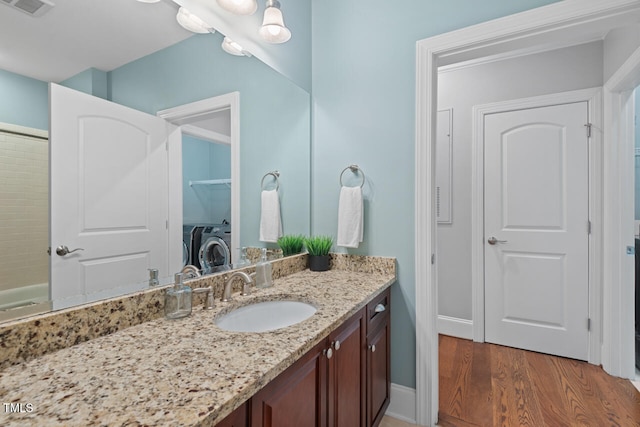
pixel 274 134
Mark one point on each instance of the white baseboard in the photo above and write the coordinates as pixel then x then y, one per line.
pixel 403 403
pixel 460 328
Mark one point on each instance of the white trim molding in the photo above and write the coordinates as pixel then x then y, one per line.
pixel 619 225
pixel 455 327
pixel 180 116
pixel 403 403
pixel 569 22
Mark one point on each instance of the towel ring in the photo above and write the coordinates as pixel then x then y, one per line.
pixel 354 169
pixel 275 175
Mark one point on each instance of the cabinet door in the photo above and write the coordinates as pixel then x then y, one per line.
pixel 297 397
pixel 347 374
pixel 379 373
pixel 238 418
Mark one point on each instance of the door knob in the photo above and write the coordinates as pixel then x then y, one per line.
pixel 493 241
pixel 62 250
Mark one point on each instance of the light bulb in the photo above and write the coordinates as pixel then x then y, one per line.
pixel 273 29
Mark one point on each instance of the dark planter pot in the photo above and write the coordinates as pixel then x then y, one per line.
pixel 318 262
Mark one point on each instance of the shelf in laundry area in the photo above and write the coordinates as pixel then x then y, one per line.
pixel 226 182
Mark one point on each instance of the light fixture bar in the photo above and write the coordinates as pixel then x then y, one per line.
pixel 191 22
pixel 239 7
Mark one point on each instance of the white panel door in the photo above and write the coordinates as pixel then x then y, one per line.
pixel 536 229
pixel 109 196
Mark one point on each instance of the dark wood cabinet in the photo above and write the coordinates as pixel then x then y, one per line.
pixel 378 359
pixel 238 418
pixel 347 374
pixel 344 381
pixel 297 397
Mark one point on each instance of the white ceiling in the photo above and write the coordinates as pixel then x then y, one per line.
pixel 79 34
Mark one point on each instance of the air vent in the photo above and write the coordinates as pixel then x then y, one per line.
pixel 31 7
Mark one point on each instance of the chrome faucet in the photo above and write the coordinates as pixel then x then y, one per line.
pixel 226 295
pixel 190 272
pixel 210 299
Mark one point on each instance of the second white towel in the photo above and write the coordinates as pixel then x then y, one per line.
pixel 350 217
pixel 270 222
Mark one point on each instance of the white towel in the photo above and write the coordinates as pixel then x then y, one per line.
pixel 350 217
pixel 270 223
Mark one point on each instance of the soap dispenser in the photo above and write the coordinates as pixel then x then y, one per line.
pixel 243 262
pixel 263 271
pixel 177 300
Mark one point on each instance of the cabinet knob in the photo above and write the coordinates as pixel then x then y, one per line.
pixel 372 347
pixel 328 352
pixel 336 345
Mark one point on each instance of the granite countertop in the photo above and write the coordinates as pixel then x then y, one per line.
pixel 184 372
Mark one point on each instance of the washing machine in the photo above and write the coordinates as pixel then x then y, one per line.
pixel 191 242
pixel 215 253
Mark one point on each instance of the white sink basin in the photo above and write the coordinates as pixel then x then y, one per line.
pixel 265 316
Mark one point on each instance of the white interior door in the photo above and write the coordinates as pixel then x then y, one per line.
pixel 536 229
pixel 109 197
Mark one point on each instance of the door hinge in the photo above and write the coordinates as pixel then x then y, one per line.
pixel 588 126
pixel 433 259
pixel 588 227
pixel 166 224
pixel 588 324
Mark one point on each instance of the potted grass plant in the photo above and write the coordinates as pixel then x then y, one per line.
pixel 318 248
pixel 291 244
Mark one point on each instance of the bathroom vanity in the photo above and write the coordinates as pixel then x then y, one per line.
pixel 331 369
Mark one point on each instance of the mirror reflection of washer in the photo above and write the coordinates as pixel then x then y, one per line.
pixel 214 254
pixel 191 244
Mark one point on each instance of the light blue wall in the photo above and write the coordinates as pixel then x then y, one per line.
pixel 363 80
pixel 274 118
pixel 24 101
pixel 205 160
pixel 91 81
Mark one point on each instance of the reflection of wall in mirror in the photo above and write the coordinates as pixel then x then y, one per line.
pixel 275 118
pixel 205 160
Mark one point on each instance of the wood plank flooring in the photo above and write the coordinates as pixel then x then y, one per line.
pixel 486 385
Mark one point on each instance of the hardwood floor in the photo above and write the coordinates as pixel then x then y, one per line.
pixel 491 385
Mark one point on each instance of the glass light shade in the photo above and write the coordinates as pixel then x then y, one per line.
pixel 233 48
pixel 239 7
pixel 273 29
pixel 191 22
pixel 148 1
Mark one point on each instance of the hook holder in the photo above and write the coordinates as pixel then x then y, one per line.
pixel 354 169
pixel 275 175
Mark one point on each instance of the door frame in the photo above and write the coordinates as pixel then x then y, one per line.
pixel 195 110
pixel 619 225
pixel 561 24
pixel 593 97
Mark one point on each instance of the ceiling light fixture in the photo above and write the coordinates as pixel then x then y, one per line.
pixel 239 7
pixel 148 1
pixel 273 29
pixel 191 22
pixel 233 48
